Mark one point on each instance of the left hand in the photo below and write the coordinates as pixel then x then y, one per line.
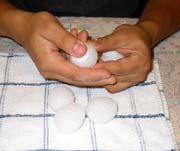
pixel 135 45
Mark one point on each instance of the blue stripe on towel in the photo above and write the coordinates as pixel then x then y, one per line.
pixel 26 115
pixel 56 82
pixel 13 55
pixel 146 83
pixel 30 84
pixel 52 115
pixel 78 150
pixel 141 116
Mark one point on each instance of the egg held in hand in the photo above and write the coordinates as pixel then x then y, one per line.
pixel 88 60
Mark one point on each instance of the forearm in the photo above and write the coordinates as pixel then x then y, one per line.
pixel 160 19
pixel 12 20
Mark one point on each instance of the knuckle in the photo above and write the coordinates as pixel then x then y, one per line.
pixel 142 78
pixel 110 89
pixel 144 66
pixel 43 69
pixel 43 16
pixel 148 67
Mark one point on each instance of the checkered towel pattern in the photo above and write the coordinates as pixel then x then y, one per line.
pixel 27 121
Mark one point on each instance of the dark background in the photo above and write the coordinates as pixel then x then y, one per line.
pixel 89 8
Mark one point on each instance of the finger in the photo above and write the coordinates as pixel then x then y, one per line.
pixel 82 83
pixel 119 86
pixel 65 40
pixel 132 78
pixel 83 35
pixel 93 75
pixel 127 78
pixel 109 42
pixel 74 32
pixel 59 66
pixel 121 67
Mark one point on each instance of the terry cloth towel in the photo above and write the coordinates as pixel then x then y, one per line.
pixel 27 121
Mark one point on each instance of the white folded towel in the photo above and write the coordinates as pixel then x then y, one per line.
pixel 27 121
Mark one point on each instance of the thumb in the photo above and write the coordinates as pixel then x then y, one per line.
pixel 66 41
pixel 72 45
pixel 109 42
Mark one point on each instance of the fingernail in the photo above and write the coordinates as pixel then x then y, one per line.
pixel 78 49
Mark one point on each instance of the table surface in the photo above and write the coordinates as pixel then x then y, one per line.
pixel 167 53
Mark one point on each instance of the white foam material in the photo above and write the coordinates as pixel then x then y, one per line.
pixel 60 96
pixel 111 55
pixel 70 118
pixel 102 109
pixel 88 60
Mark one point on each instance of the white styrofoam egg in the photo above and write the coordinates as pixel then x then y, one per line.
pixel 102 109
pixel 60 96
pixel 88 60
pixel 70 118
pixel 111 55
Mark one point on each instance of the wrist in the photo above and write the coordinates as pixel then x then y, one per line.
pixel 150 29
pixel 13 23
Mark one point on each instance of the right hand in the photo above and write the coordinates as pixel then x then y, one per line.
pixel 44 38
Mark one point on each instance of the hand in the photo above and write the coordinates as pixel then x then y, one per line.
pixel 134 44
pixel 44 38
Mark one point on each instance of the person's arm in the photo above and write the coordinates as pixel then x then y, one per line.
pixel 12 20
pixel 160 19
pixel 44 37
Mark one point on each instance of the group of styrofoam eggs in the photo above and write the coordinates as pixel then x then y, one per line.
pixel 70 116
